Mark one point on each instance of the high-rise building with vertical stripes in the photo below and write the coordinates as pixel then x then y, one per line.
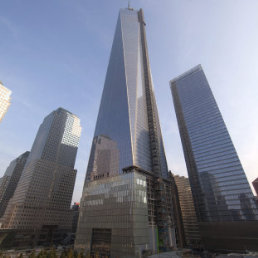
pixel 10 179
pixel 219 185
pixel 42 199
pixel 190 223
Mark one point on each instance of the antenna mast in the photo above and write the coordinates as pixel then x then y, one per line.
pixel 129 5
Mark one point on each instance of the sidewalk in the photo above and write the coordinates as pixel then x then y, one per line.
pixel 165 255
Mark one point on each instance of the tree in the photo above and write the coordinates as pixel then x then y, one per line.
pixel 52 253
pixel 32 255
pixel 42 254
pixel 81 255
pixel 70 254
pixel 63 255
pixel 88 254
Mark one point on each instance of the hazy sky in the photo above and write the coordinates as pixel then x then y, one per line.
pixel 55 53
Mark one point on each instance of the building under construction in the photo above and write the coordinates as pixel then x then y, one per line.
pixel 128 215
pixel 127 205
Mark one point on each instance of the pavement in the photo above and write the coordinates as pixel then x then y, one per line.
pixel 166 255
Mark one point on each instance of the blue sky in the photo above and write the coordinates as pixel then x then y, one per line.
pixel 55 53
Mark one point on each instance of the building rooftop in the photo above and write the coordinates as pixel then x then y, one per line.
pixel 255 180
pixel 192 70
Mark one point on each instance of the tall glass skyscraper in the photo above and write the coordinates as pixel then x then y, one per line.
pixel 43 196
pixel 128 111
pixel 220 188
pixel 127 179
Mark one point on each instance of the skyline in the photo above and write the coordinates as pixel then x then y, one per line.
pixel 26 100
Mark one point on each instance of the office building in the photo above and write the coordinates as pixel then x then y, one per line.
pixel 190 223
pixel 126 206
pixel 41 202
pixel 9 181
pixel 5 97
pixel 75 210
pixel 179 226
pixel 255 185
pixel 219 185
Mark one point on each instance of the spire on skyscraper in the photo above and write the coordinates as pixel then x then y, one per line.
pixel 129 6
pixel 127 167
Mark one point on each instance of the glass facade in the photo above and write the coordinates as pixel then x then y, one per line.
pixel 119 205
pixel 123 114
pixel 127 147
pixel 219 184
pixel 57 138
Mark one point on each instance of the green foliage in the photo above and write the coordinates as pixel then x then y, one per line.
pixel 97 255
pixel 70 253
pixel 8 240
pixel 81 255
pixel 32 255
pixel 42 254
pixel 52 253
pixel 63 255
pixel 5 256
